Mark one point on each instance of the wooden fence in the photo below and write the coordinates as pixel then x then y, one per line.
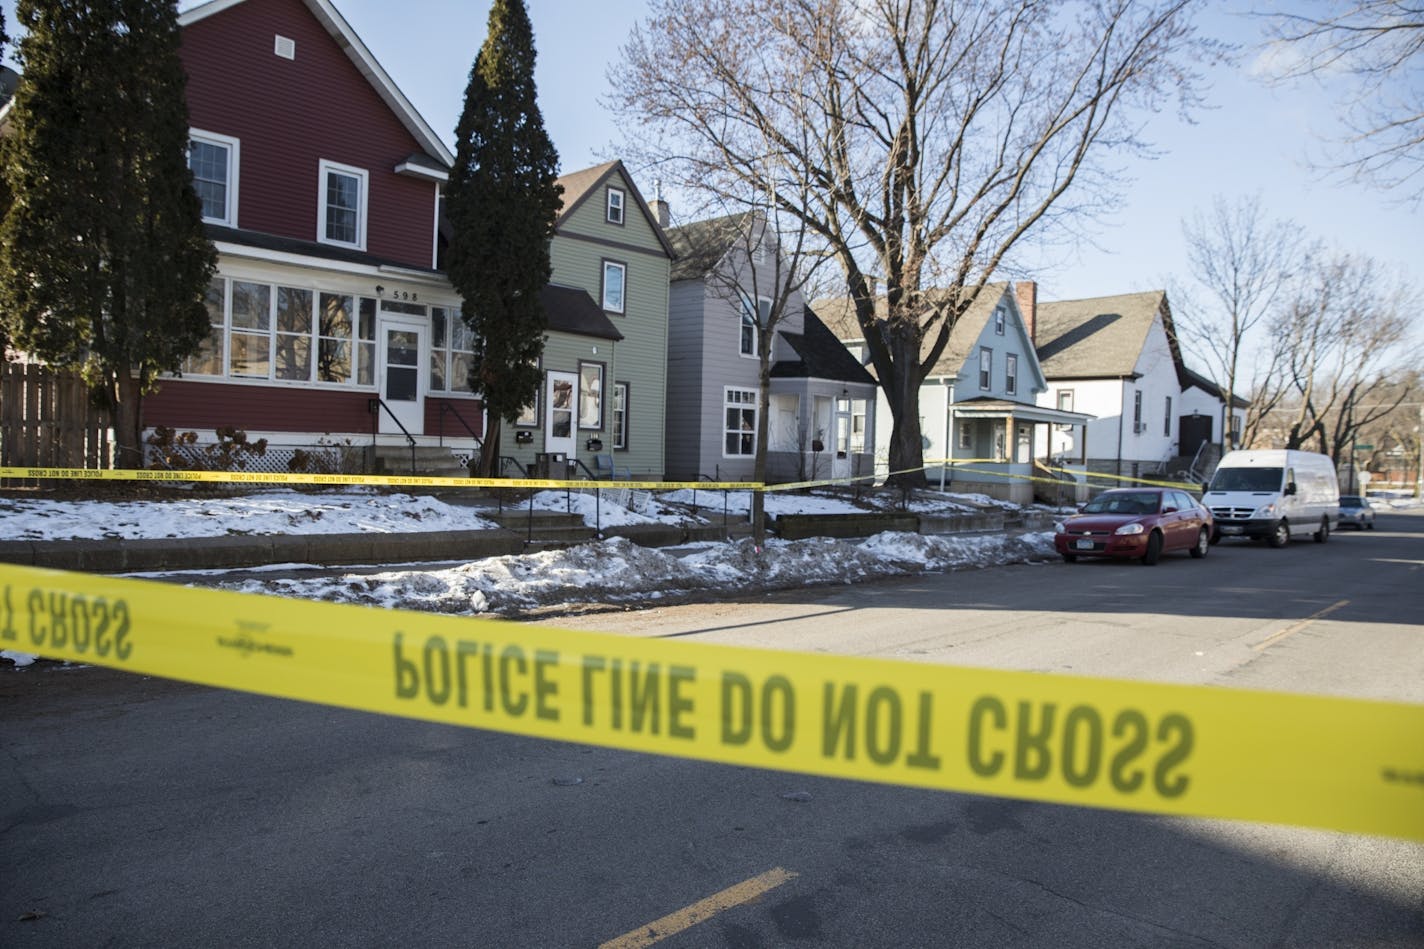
pixel 48 421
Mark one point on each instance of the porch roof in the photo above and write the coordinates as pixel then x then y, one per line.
pixel 572 310
pixel 1003 408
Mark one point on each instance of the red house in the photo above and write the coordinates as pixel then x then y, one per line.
pixel 321 190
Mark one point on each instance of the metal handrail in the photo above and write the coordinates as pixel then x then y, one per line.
pixel 447 407
pixel 592 476
pixel 375 405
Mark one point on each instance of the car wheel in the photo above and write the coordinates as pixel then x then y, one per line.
pixel 1369 526
pixel 1280 534
pixel 1154 549
pixel 1203 544
pixel 1070 558
pixel 1322 535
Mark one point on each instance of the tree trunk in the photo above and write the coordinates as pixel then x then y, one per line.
pixel 902 391
pixel 125 399
pixel 489 450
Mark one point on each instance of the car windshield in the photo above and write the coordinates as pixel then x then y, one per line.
pixel 1127 503
pixel 1350 500
pixel 1247 479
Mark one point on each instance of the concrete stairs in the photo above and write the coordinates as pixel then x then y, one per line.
pixel 432 461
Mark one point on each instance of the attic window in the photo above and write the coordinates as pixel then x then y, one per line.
pixel 285 47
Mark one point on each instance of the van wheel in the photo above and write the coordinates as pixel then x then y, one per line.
pixel 1154 549
pixel 1203 544
pixel 1280 534
pixel 1322 535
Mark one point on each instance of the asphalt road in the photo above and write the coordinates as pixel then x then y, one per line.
pixel 140 812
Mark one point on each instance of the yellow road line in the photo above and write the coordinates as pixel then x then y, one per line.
pixel 1297 627
pixel 701 911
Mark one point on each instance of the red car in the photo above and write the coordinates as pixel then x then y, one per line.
pixel 1137 523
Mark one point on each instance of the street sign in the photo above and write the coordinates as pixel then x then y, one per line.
pixel 1362 447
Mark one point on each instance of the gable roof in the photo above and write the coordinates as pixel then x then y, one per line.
pixel 822 356
pixel 572 310
pixel 1101 337
pixel 1213 388
pixel 701 245
pixel 365 62
pixel 839 315
pixel 580 185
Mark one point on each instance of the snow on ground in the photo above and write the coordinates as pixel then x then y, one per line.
pixel 610 571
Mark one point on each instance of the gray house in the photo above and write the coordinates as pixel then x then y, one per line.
pixel 820 412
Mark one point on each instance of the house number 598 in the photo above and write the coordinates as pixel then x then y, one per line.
pixel 404 295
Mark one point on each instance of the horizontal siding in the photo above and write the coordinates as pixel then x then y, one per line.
pixel 686 331
pixel 290 114
pixel 190 405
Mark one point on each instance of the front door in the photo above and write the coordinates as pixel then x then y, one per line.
pixel 1196 430
pixel 401 342
pixel 559 425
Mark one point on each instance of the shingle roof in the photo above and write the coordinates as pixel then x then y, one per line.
pixel 839 316
pixel 571 310
pixel 700 245
pixel 822 356
pixel 1101 337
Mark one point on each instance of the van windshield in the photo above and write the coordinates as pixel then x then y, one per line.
pixel 1246 479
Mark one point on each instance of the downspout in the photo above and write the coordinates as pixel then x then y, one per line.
pixel 1121 417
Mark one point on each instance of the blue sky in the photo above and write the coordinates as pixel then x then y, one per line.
pixel 1252 139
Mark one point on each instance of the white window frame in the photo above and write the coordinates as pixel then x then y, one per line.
pixel 326 169
pixel 622 301
pixel 619 421
pixel 999 316
pixel 1011 373
pixel 234 154
pixel 756 320
pixel 615 206
pixel 986 369
pixel 1137 426
pixel 1065 404
pixel 740 405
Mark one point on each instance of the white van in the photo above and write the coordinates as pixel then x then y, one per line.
pixel 1274 495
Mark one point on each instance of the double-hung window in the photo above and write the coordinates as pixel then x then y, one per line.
pixel 741 422
pixel 753 319
pixel 590 396
pixel 1137 426
pixel 1167 419
pixel 614 285
pixel 614 206
pixel 999 321
pixel 620 415
pixel 986 368
pixel 1011 373
pixel 452 351
pixel 341 208
pixel 212 158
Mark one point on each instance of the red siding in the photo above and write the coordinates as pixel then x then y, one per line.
pixel 206 406
pixel 290 114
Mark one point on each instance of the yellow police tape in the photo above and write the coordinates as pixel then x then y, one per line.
pixel 1342 764
pixel 384 481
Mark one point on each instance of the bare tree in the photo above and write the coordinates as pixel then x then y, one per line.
pixel 1241 262
pixel 1379 46
pixel 1344 346
pixel 918 140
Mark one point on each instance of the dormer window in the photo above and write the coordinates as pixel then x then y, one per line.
pixel 213 160
pixel 616 199
pixel 341 208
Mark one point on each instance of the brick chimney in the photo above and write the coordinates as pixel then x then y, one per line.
pixel 661 211
pixel 1026 294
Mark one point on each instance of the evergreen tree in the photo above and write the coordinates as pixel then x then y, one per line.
pixel 501 203
pixel 103 259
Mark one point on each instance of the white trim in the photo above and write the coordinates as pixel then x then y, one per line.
pixel 234 159
pixel 326 169
pixel 622 287
pixel 365 62
pixel 608 204
pixel 414 170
